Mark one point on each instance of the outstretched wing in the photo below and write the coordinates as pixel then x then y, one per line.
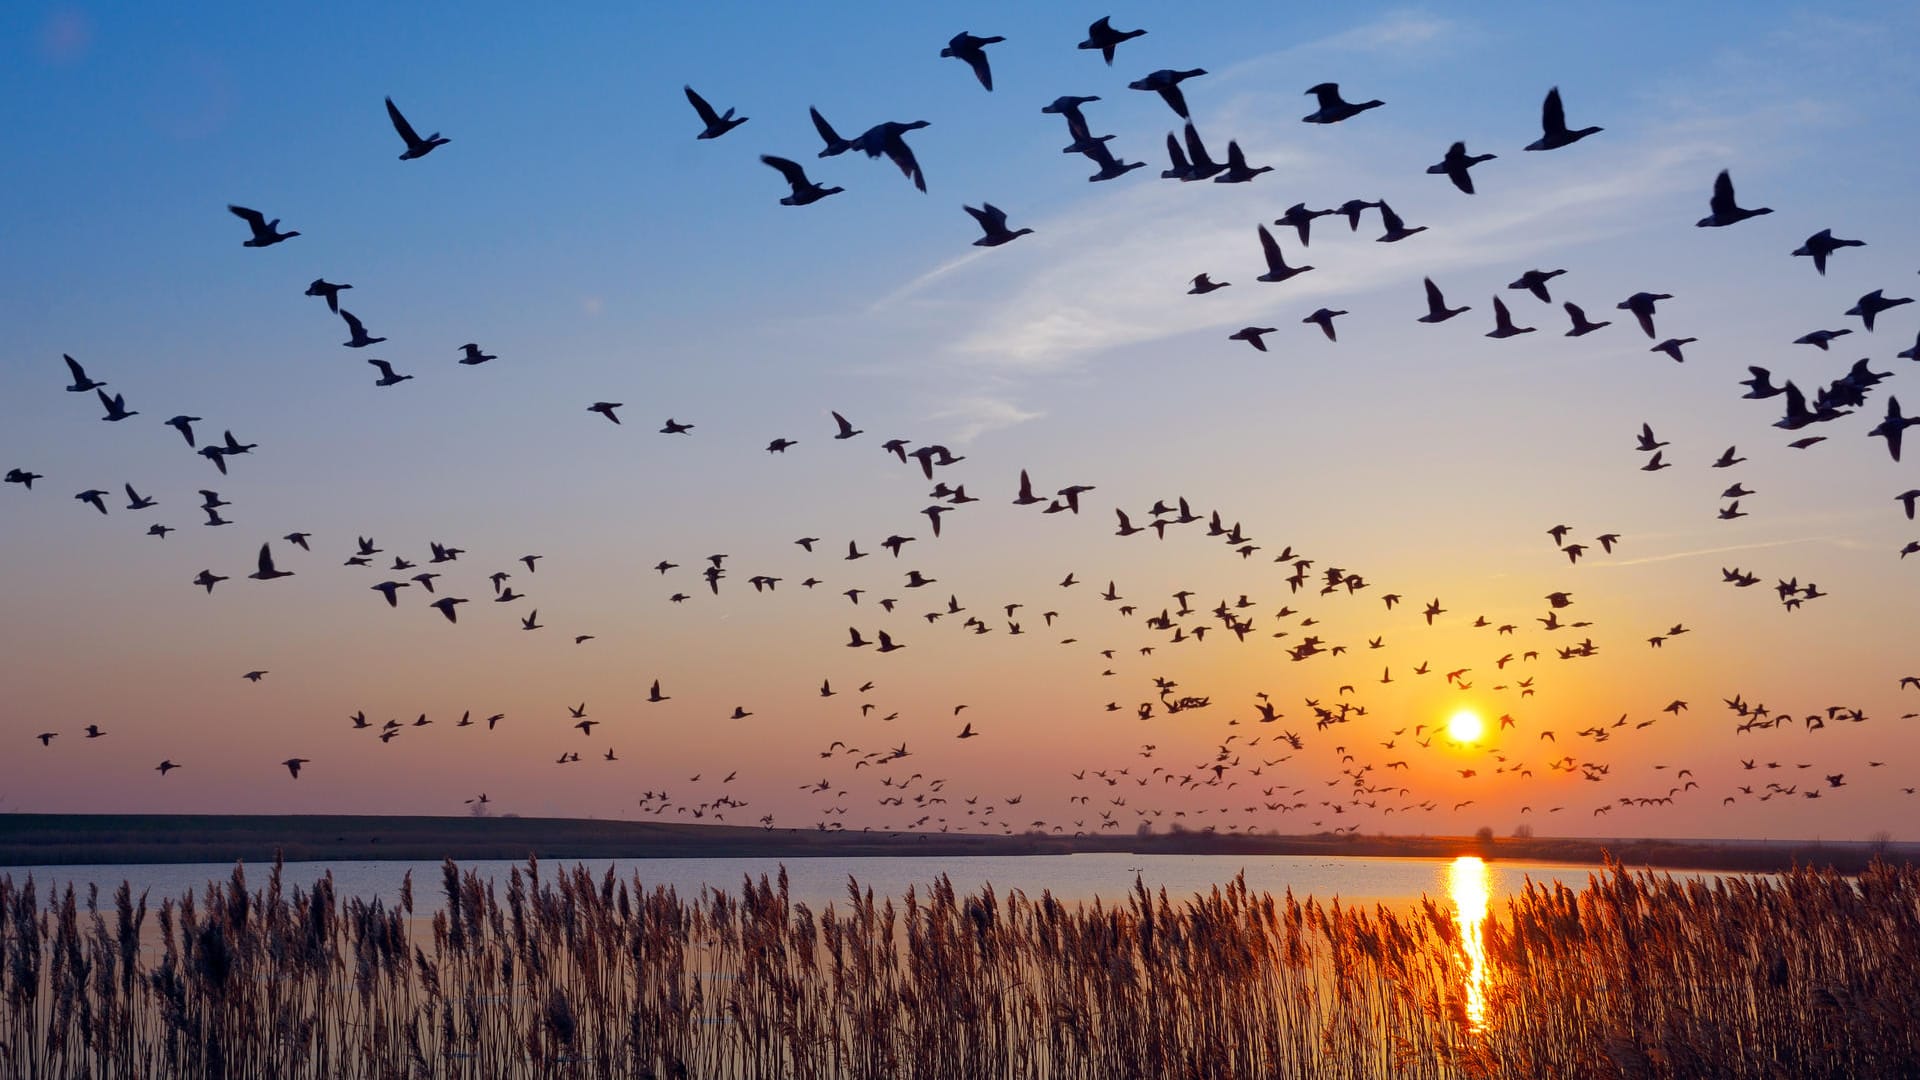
pixel 1553 115
pixel 707 115
pixel 400 124
pixel 795 175
pixel 254 218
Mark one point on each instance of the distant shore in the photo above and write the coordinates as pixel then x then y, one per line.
pixel 109 839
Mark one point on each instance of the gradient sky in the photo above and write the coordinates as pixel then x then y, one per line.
pixel 576 229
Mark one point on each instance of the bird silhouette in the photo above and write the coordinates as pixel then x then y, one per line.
pixel 265 233
pixel 804 191
pixel 1724 210
pixel 967 47
pixel 717 124
pixel 1455 163
pixel 1102 36
pixel 1333 108
pixel 1553 125
pixel 417 147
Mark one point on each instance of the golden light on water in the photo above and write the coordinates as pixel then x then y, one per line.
pixel 1466 726
pixel 1470 885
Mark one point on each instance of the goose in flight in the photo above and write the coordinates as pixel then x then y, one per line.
pixel 1277 268
pixel 835 144
pixel 1301 220
pixel 1333 108
pixel 1672 347
pixel 1111 168
pixel 1503 326
pixel 1724 210
pixel 1237 170
pixel 117 410
pixel 445 604
pixel 993 222
pixel 1396 229
pixel 474 355
pixel 81 383
pixel 1553 125
pixel 887 138
pixel 327 291
pixel 1204 284
pixel 184 425
pixel 1822 244
pixel 717 124
pixel 208 579
pixel 1641 304
pixel 165 767
pixel 1455 164
pixel 1866 308
pixel 293 765
pixel 605 408
pixel 967 47
pixel 265 233
pixel 1888 429
pixel 1323 318
pixel 1535 282
pixel 255 676
pixel 1166 82
pixel 417 147
pixel 1820 339
pixel 359 338
pixel 1252 336
pixel 674 427
pixel 22 477
pixel 95 498
pixel 846 430
pixel 391 590
pixel 805 191
pixel 1582 326
pixel 1437 309
pixel 387 376
pixel 266 572
pixel 1102 36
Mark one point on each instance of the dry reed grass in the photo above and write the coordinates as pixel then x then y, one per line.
pixel 1808 974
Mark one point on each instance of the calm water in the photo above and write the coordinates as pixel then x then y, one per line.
pixel 818 882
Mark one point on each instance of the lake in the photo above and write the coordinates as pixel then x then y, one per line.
pixel 819 881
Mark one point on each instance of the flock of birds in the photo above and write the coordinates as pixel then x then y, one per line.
pixel 1249 779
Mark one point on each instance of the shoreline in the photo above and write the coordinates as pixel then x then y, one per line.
pixel 126 839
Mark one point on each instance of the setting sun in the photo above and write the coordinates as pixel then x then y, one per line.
pixel 1465 726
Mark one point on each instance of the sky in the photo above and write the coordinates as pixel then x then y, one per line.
pixel 576 229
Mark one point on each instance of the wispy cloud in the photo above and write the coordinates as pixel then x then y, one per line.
pixel 974 415
pixel 1672 556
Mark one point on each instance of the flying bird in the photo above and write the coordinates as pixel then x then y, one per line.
pixel 359 338
pixel 1333 108
pixel 1455 164
pixel 1277 268
pixel 805 191
pixel 993 222
pixel 327 291
pixel 1724 210
pixel 387 376
pixel 265 233
pixel 1553 125
pixel 1166 82
pixel 717 124
pixel 1102 36
pixel 1822 244
pixel 417 147
pixel 81 382
pixel 967 47
pixel 266 572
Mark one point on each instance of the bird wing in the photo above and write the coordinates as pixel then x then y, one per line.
pixel 825 129
pixel 1553 115
pixel 977 60
pixel 845 428
pixel 353 324
pixel 1722 201
pixel 386 369
pixel 1271 248
pixel 791 170
pixel 400 124
pixel 707 115
pixel 901 154
pixel 79 375
pixel 266 559
pixel 1436 303
pixel 253 218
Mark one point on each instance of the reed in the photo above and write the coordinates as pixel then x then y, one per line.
pixel 1805 974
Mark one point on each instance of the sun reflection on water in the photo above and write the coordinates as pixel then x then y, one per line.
pixel 1470 885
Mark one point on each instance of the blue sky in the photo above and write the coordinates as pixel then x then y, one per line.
pixel 575 228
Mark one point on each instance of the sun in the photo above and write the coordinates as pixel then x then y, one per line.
pixel 1465 726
